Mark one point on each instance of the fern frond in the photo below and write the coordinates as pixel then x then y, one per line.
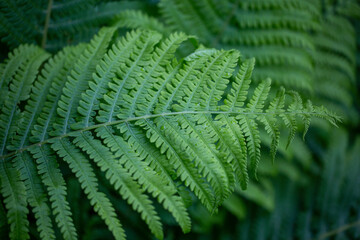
pixel 176 21
pixel 309 6
pixel 154 124
pixel 335 63
pixel 25 21
pixel 13 14
pixel 275 33
pixel 267 37
pixel 137 19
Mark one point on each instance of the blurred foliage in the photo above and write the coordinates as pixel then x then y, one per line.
pixel 70 21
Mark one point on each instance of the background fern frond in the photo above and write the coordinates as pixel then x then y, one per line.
pixel 137 19
pixel 70 22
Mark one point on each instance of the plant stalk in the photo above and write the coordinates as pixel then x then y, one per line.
pixel 46 26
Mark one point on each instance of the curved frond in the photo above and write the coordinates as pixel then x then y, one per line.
pixel 155 124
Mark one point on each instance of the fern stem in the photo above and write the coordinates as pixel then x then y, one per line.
pixel 131 119
pixel 339 230
pixel 46 26
pixel 226 23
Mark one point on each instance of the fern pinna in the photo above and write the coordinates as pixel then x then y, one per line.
pixel 157 126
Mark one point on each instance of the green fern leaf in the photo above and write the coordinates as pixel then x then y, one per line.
pixel 154 124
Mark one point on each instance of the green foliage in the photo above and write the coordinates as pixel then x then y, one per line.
pixel 156 124
pixel 304 45
pixel 275 32
pixel 55 24
pixel 152 123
